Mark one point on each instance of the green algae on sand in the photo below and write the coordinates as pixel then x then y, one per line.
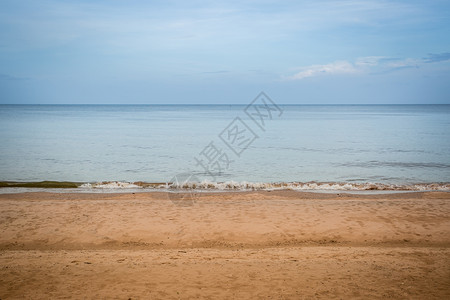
pixel 41 184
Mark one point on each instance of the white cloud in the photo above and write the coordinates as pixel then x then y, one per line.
pixel 405 63
pixel 369 61
pixel 338 67
pixel 362 65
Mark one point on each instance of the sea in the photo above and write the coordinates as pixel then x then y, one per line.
pixel 221 147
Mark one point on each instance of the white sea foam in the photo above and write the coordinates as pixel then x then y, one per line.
pixel 305 186
pixel 209 186
pixel 251 186
pixel 110 185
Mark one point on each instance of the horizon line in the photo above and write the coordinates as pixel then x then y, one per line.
pixel 224 104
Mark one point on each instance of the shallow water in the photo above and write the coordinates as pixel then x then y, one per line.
pixel 387 144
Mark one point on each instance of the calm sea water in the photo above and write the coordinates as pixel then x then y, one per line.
pixel 391 144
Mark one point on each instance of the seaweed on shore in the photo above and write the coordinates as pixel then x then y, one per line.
pixel 41 184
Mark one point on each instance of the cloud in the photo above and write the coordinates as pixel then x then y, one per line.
pixel 367 65
pixel 432 57
pixel 338 67
pixel 370 61
pixel 12 78
pixel 401 63
pixel 215 72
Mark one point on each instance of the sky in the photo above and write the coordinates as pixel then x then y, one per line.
pixel 224 52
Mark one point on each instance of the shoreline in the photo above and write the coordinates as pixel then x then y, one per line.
pixel 208 186
pixel 13 190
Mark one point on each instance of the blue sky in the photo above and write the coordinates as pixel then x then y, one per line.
pixel 313 52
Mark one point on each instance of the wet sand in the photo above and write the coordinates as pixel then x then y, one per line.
pixel 280 244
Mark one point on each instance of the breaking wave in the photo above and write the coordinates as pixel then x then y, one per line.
pixel 251 186
pixel 110 185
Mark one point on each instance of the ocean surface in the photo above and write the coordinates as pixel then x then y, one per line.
pixel 311 146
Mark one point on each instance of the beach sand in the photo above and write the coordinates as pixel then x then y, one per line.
pixel 232 245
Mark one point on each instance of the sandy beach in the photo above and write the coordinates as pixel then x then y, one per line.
pixel 233 245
